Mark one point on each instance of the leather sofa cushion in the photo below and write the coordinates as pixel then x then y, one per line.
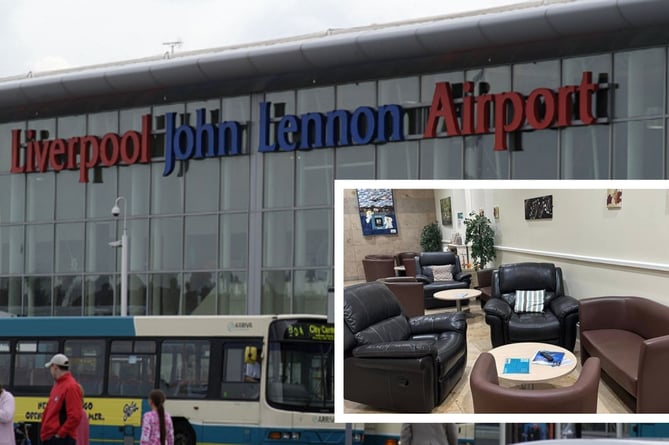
pixel 450 349
pixel 392 329
pixel 513 277
pixel 369 303
pixel 619 352
pixel 534 326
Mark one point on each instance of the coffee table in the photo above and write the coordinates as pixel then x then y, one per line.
pixel 538 373
pixel 457 295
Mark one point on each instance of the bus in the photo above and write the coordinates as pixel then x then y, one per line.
pixel 199 362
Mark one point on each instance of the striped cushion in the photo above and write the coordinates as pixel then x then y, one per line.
pixel 529 301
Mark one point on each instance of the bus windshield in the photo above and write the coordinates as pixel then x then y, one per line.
pixel 300 368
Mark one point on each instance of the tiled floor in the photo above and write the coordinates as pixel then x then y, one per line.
pixel 478 338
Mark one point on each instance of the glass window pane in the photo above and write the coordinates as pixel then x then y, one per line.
pixel 355 162
pixel 638 150
pixel 159 120
pixel 277 239
pixel 585 152
pixel 279 178
pixel 232 293
pixel 137 294
pixel 537 159
pixel 134 185
pixel 639 80
pixel 138 244
pixel 482 162
pixel 101 192
pixel 202 186
pixel 201 241
pixel 69 196
pixel 131 374
pixel 166 244
pixel 99 295
pixel 68 293
pixel 311 100
pixel 184 368
pixel 12 199
pixel 39 247
pixel 69 248
pixel 165 294
pixel 37 298
pixel 429 81
pixel 40 196
pixel 441 158
pixel 398 160
pixel 276 291
pixel 315 181
pixel 529 76
pixel 166 191
pixel 398 91
pixel 200 293
pixel 354 95
pixel 313 237
pixel 100 257
pixel 6 135
pixel 11 255
pixel 311 291
pixel 235 183
pixel 10 290
pixel 234 240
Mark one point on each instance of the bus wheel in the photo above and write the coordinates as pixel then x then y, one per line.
pixel 183 433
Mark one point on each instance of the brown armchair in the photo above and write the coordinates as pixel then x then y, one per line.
pixel 409 292
pixel 489 397
pixel 378 266
pixel 484 284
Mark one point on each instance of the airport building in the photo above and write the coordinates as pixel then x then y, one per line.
pixel 222 162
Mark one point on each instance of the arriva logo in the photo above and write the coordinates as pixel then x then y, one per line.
pixel 239 325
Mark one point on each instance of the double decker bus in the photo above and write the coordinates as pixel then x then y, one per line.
pixel 199 362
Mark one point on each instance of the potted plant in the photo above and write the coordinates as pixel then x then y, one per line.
pixel 430 238
pixel 480 234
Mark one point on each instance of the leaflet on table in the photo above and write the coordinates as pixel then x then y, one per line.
pixel 516 366
pixel 547 357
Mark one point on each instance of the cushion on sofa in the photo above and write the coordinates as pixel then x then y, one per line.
pixel 619 353
pixel 442 273
pixel 529 301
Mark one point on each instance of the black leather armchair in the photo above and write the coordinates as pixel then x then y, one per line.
pixel 425 263
pixel 397 363
pixel 555 324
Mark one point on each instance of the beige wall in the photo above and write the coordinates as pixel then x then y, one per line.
pixel 413 210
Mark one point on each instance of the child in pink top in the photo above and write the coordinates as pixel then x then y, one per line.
pixel 157 428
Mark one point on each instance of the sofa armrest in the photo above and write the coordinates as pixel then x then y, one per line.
pixel 497 307
pixel 395 349
pixel 422 278
pixel 439 322
pixel 563 305
pixel 463 276
pixel 652 389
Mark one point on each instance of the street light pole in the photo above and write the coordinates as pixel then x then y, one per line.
pixel 124 253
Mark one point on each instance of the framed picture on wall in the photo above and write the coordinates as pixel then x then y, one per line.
pixel 446 215
pixel 539 208
pixel 614 198
pixel 376 208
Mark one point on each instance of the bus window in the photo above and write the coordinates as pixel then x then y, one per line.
pixel 29 370
pixel 87 357
pixel 184 368
pixel 5 360
pixel 235 384
pixel 132 368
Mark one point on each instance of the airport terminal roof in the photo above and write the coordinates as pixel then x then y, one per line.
pixel 525 31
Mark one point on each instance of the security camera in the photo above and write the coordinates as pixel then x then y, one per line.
pixel 116 210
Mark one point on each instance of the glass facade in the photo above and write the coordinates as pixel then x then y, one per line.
pixel 254 233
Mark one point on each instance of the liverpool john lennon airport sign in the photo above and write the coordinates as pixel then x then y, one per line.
pixel 468 114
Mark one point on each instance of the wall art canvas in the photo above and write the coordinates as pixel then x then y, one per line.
pixel 377 211
pixel 446 215
pixel 614 198
pixel 539 208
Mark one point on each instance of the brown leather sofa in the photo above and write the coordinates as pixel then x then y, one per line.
pixel 489 397
pixel 394 362
pixel 630 335
pixel 409 292
pixel 484 284
pixel 378 266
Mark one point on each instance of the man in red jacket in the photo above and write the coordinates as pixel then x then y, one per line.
pixel 62 414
